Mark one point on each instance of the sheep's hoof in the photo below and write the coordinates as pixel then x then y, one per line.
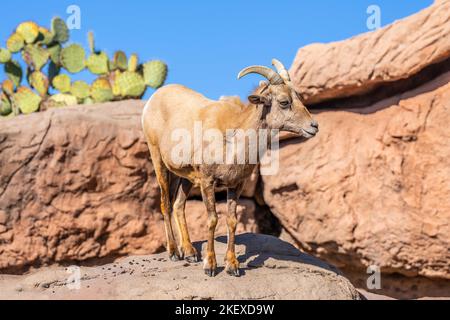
pixel 233 272
pixel 192 259
pixel 174 257
pixel 210 272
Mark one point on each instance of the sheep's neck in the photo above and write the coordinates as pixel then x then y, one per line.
pixel 252 118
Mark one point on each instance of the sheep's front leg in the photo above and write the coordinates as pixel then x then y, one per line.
pixel 209 261
pixel 231 263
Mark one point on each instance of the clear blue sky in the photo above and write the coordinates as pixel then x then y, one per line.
pixel 206 43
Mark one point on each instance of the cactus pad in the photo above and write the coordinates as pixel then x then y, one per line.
pixel 8 87
pixel 39 81
pixel 155 73
pixel 91 41
pixel 133 63
pixel 101 90
pixel 14 72
pixel 98 63
pixel 131 84
pixel 26 100
pixel 35 56
pixel 5 105
pixel 62 83
pixel 29 31
pixel 15 43
pixel 120 60
pixel 5 55
pixel 55 53
pixel 45 36
pixel 73 58
pixel 63 100
pixel 60 30
pixel 80 90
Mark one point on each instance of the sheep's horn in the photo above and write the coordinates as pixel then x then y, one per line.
pixel 272 76
pixel 281 70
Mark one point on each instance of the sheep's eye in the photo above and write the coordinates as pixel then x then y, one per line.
pixel 285 103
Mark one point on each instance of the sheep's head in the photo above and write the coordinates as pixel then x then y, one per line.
pixel 283 108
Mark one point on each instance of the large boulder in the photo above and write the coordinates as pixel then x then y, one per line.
pixel 78 184
pixel 372 188
pixel 273 269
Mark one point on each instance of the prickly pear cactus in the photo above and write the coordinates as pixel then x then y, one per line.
pixel 80 89
pixel 39 82
pixel 60 30
pixel 14 72
pixel 26 100
pixel 98 63
pixel 62 83
pixel 131 84
pixel 55 53
pixel 15 43
pixel 45 36
pixel 101 90
pixel 29 31
pixel 35 56
pixel 120 61
pixel 44 50
pixel 155 73
pixel 5 105
pixel 8 87
pixel 91 42
pixel 133 63
pixel 5 55
pixel 63 100
pixel 73 58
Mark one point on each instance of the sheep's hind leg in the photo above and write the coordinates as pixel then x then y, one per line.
pixel 163 177
pixel 231 263
pixel 209 261
pixel 182 192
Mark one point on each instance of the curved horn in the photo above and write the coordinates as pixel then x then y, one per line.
pixel 272 76
pixel 281 70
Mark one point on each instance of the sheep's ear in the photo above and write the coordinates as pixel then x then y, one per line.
pixel 257 99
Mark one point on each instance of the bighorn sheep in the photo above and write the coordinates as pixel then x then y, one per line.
pixel 276 105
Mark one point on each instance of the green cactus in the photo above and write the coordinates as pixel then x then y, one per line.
pixel 73 58
pixel 88 100
pixel 113 76
pixel 62 83
pixel 55 53
pixel 63 100
pixel 26 100
pixel 101 90
pixel 14 72
pixel 35 56
pixel 5 105
pixel 29 31
pixel 5 55
pixel 131 84
pixel 15 43
pixel 45 36
pixel 91 42
pixel 98 63
pixel 80 89
pixel 60 30
pixel 8 87
pixel 155 73
pixel 133 63
pixel 120 60
pixel 39 81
